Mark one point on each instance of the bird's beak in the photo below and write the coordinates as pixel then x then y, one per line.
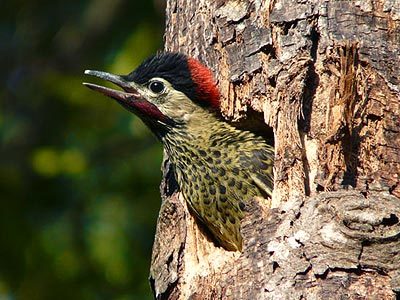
pixel 127 96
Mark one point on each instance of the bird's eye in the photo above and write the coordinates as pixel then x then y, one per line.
pixel 156 87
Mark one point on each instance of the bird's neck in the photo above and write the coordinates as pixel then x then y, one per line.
pixel 198 132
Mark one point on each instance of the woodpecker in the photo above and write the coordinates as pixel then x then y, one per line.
pixel 218 167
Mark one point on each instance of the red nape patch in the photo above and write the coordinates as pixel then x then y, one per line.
pixel 206 90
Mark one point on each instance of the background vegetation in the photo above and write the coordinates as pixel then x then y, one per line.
pixel 79 175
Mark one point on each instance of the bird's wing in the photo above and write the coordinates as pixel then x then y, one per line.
pixel 259 164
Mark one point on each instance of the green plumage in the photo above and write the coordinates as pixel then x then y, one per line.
pixel 219 169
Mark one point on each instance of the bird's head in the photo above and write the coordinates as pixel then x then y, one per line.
pixel 165 90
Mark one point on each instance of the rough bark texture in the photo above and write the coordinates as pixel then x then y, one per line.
pixel 325 75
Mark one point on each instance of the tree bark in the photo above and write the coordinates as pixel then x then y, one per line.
pixel 325 75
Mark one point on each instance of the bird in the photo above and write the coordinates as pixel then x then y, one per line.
pixel 219 167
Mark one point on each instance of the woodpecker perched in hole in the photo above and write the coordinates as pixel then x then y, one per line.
pixel 218 167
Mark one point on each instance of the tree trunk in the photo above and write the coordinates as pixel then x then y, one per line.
pixel 325 75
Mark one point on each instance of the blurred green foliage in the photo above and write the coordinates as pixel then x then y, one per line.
pixel 79 175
